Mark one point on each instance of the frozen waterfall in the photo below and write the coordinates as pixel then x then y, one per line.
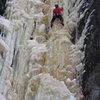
pixel 38 62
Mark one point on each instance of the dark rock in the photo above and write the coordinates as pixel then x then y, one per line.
pixel 91 20
pixel 2 6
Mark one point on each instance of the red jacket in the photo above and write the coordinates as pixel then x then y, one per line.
pixel 57 10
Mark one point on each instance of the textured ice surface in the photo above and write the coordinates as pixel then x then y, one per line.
pixel 43 66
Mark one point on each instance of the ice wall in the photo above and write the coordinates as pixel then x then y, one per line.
pixel 41 63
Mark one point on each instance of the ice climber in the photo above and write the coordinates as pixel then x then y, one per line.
pixel 57 14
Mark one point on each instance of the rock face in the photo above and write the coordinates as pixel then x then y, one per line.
pixel 89 25
pixel 2 6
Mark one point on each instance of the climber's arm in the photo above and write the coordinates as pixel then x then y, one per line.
pixel 53 12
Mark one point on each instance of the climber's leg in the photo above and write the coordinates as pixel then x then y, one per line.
pixel 61 19
pixel 53 19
